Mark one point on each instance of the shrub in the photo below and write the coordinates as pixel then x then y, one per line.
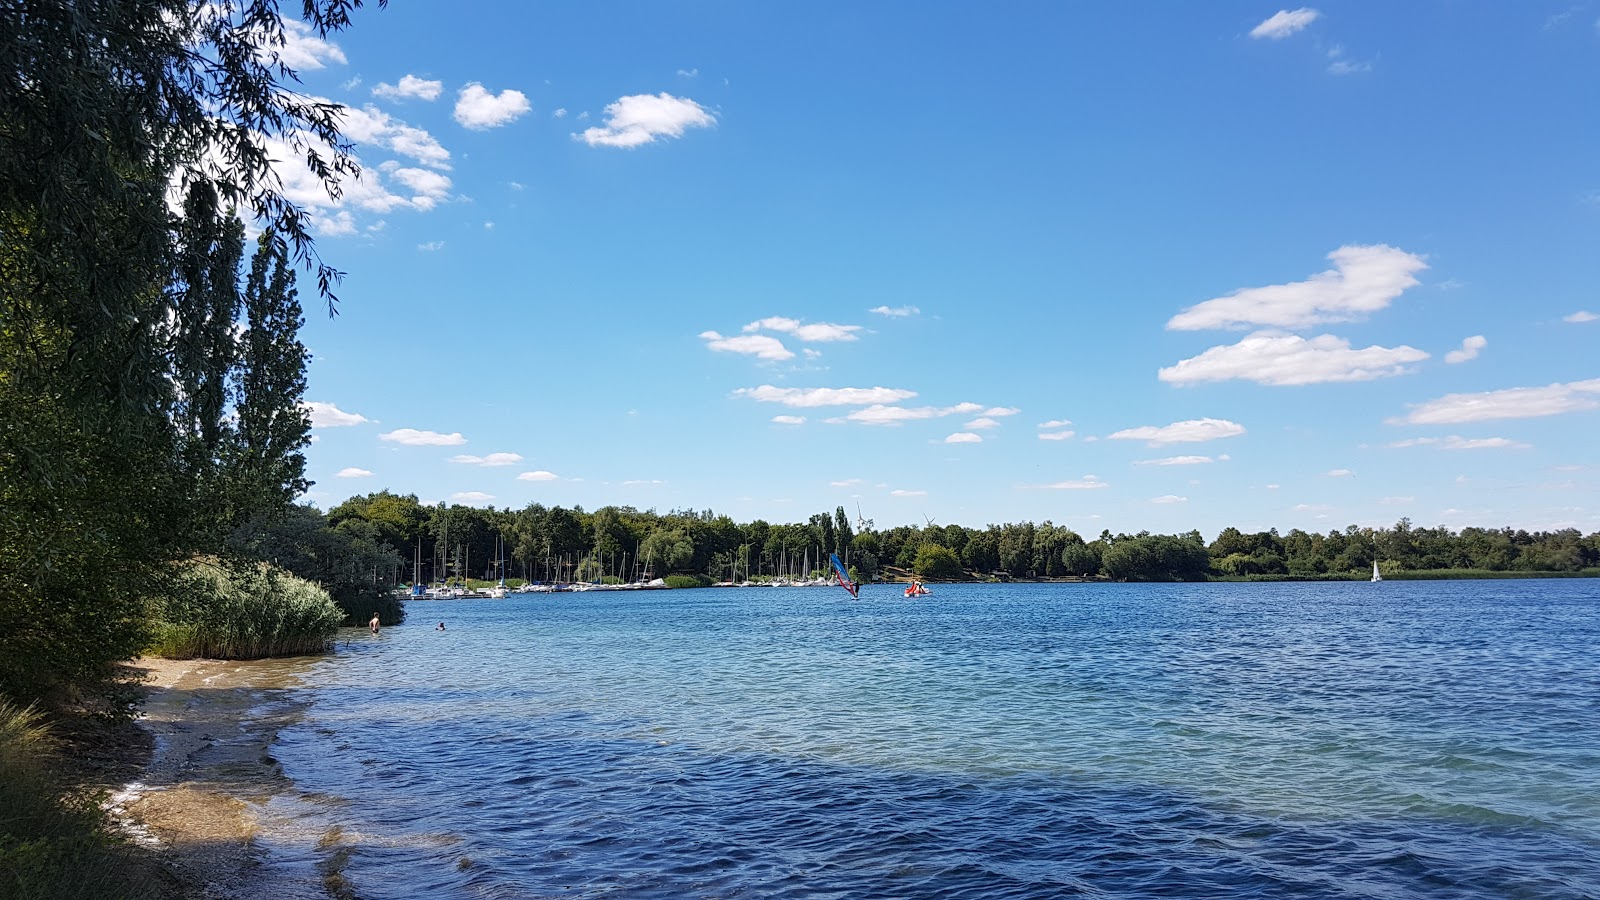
pixel 687 581
pixel 219 611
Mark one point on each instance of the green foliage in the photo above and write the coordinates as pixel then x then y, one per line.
pixel 1156 557
pixel 219 611
pixel 687 581
pixel 938 563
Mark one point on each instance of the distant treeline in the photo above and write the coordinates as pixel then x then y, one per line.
pixel 393 539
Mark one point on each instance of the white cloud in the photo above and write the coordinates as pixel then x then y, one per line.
pixel 428 188
pixel 353 472
pixel 1056 435
pixel 1169 498
pixel 814 397
pixel 818 332
pixel 370 125
pixel 981 423
pixel 431 246
pixel 1086 483
pixel 1187 431
pixel 540 475
pixel 641 118
pixel 761 346
pixel 899 492
pixel 1284 23
pixel 471 497
pixel 1457 442
pixel 1174 461
pixel 1396 501
pixel 479 109
pixel 302 49
pixel 560 113
pixel 410 87
pixel 493 459
pixel 1348 67
pixel 1511 403
pixel 848 482
pixel 327 415
pixel 1276 358
pixel 1001 411
pixel 340 224
pixel 789 420
pixel 1470 348
pixel 411 437
pixel 1364 279
pixel 637 481
pixel 895 312
pixel 1580 316
pixel 964 437
pixel 689 73
pixel 880 414
pixel 1339 473
pixel 1056 423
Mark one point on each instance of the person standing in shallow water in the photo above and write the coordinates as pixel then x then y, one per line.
pixel 374 623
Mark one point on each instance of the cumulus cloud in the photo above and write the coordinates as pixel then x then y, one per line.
pixel 373 126
pixel 1580 317
pixel 640 119
pixel 964 437
pixel 848 482
pixel 1185 432
pixel 1338 473
pixel 1457 442
pixel 471 497
pixel 900 492
pixel 480 109
pixel 410 87
pixel 1174 461
pixel 493 459
pixel 302 49
pixel 368 192
pixel 761 346
pixel 789 420
pixel 817 332
pixel 540 475
pixel 1470 348
pixel 1001 411
pixel 1363 280
pixel 1169 498
pixel 982 423
pixel 1510 403
pixel 814 397
pixel 881 414
pixel 327 415
pixel 412 437
pixel 1284 23
pixel 1086 483
pixel 1276 358
pixel 353 472
pixel 895 312
pixel 1056 435
pixel 1056 423
pixel 431 246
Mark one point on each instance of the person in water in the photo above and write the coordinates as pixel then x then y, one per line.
pixel 374 623
pixel 440 628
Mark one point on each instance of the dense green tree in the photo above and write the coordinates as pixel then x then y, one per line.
pixel 1157 557
pixel 937 563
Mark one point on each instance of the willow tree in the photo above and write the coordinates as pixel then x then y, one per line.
pixel 107 109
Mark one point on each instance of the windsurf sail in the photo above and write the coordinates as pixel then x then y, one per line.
pixel 843 575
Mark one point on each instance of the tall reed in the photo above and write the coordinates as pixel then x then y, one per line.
pixel 222 611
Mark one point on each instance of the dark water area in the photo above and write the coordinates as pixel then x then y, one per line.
pixel 1403 739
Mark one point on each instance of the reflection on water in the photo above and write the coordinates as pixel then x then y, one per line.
pixel 1003 741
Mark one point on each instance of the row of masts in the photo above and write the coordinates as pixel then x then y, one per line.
pixel 565 569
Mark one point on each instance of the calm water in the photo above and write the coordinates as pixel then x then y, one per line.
pixel 1433 739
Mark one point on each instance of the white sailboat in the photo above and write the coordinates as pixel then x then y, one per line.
pixel 1376 575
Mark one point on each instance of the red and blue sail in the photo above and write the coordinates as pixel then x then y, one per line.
pixel 844 576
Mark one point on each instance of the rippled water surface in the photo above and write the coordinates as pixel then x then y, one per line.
pixel 1298 740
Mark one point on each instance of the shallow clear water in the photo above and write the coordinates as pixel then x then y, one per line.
pixel 1295 740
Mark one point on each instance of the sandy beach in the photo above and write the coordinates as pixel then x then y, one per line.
pixel 210 771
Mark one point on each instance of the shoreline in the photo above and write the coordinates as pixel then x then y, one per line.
pixel 207 772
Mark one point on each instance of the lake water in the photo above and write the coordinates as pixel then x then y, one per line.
pixel 1401 739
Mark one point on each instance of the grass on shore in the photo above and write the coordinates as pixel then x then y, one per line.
pixel 57 842
pixel 224 612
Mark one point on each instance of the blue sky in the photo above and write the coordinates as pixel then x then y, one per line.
pixel 1117 266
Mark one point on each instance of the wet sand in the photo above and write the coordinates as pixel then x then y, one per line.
pixel 210 772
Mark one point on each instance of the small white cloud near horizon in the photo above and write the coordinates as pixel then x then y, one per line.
pixel 1186 432
pixel 1175 461
pixel 540 475
pixel 1056 435
pixel 1278 359
pixel 761 346
pixel 813 397
pixel 789 420
pixel 882 414
pixel 413 437
pixel 1457 442
pixel 900 492
pixel 1338 473
pixel 493 459
pixel 639 119
pixel 848 482
pixel 471 497
pixel 410 87
pixel 1284 23
pixel 1364 279
pixel 1510 403
pixel 479 109
pixel 1579 317
pixel 1086 483
pixel 895 312
pixel 327 415
pixel 964 437
pixel 1169 498
pixel 353 472
pixel 1470 348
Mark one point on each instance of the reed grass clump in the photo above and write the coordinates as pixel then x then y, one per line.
pixel 222 611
